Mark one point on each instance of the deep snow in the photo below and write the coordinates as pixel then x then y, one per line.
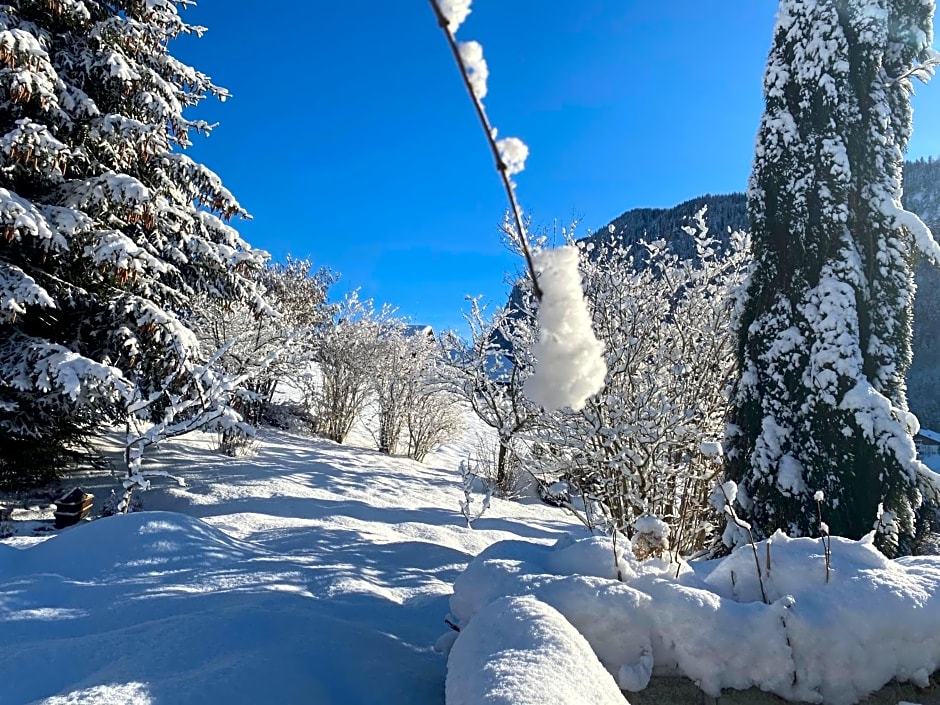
pixel 308 573
pixel 521 651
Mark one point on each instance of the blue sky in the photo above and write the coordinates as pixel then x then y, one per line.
pixel 350 139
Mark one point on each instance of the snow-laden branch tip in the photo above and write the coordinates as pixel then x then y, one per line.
pixel 923 71
pixel 570 360
pixel 471 53
pixel 924 240
pixel 455 12
pixel 474 72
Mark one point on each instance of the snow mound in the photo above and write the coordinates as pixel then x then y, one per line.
pixel 519 651
pixel 816 638
pixel 124 544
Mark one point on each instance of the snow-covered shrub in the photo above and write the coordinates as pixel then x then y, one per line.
pixel 263 350
pixel 193 397
pixel 650 538
pixel 415 410
pixel 107 229
pixel 799 636
pixel 434 418
pixel 520 650
pixel 489 372
pixel 637 447
pixel 338 386
pixel 402 363
pixel 513 478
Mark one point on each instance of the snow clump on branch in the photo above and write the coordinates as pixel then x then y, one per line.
pixel 471 53
pixel 513 151
pixel 570 360
pixel 455 11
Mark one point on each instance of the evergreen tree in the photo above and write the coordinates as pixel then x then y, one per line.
pixel 825 325
pixel 107 228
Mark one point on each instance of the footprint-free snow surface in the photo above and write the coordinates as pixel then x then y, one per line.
pixel 308 573
pixel 314 574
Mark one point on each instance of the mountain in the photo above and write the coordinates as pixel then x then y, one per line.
pixel 922 195
pixel 727 211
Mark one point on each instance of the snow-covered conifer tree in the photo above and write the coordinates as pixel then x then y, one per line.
pixel 107 228
pixel 825 326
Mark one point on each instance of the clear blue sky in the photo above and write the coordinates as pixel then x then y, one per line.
pixel 350 139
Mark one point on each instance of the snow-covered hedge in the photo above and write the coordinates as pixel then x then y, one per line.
pixel 520 651
pixel 830 638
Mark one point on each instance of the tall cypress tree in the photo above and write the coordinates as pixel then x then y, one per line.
pixel 825 323
pixel 107 229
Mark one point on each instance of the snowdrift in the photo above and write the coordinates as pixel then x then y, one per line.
pixel 158 607
pixel 816 639
pixel 314 573
pixel 120 545
pixel 520 651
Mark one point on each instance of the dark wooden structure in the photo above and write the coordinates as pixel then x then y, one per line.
pixel 71 508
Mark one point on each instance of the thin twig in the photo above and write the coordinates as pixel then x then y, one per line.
pixel 827 546
pixel 743 525
pixel 500 164
pixel 613 536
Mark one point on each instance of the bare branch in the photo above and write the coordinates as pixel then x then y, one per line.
pixel 490 137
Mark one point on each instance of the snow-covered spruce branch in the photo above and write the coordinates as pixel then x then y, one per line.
pixel 449 21
pixel 923 71
pixel 201 400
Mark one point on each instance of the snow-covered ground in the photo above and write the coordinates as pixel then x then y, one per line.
pixel 307 573
pixel 317 573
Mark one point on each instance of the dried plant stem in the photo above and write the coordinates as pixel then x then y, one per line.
pixel 742 525
pixel 826 541
pixel 501 167
pixel 613 536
